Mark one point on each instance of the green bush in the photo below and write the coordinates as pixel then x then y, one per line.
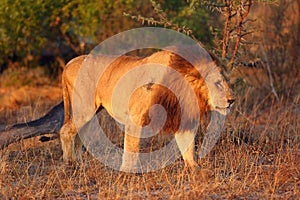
pixel 50 33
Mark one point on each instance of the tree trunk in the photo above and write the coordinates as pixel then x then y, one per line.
pixel 50 123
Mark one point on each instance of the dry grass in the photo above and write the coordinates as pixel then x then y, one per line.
pixel 257 157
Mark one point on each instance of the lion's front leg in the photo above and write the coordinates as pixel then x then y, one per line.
pixel 130 159
pixel 186 144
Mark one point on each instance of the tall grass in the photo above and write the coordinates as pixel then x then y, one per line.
pixel 257 157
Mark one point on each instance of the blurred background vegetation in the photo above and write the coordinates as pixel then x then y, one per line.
pixel 48 34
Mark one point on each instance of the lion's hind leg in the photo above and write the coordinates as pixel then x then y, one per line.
pixel 71 144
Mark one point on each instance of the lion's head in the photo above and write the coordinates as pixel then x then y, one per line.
pixel 204 71
pixel 221 95
pixel 205 75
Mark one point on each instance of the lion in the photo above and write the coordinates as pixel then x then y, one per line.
pixel 144 101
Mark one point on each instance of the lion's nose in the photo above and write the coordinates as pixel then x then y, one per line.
pixel 231 101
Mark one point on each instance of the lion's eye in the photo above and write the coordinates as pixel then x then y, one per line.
pixel 219 84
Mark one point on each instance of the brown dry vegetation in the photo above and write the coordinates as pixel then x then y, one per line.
pixel 257 157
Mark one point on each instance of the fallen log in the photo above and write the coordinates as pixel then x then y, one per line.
pixel 49 123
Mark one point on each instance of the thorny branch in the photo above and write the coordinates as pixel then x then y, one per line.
pixel 243 11
pixel 236 16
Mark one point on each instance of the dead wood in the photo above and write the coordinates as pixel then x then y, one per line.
pixel 50 123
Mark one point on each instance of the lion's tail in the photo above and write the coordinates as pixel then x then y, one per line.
pixel 66 100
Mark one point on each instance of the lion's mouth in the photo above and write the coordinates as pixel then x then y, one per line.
pixel 218 107
pixel 223 110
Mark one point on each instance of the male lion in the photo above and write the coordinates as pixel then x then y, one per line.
pixel 144 98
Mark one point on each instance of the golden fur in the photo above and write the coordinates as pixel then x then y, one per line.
pixel 143 98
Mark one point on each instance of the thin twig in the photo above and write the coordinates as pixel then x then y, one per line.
pixel 227 10
pixel 269 73
pixel 243 15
